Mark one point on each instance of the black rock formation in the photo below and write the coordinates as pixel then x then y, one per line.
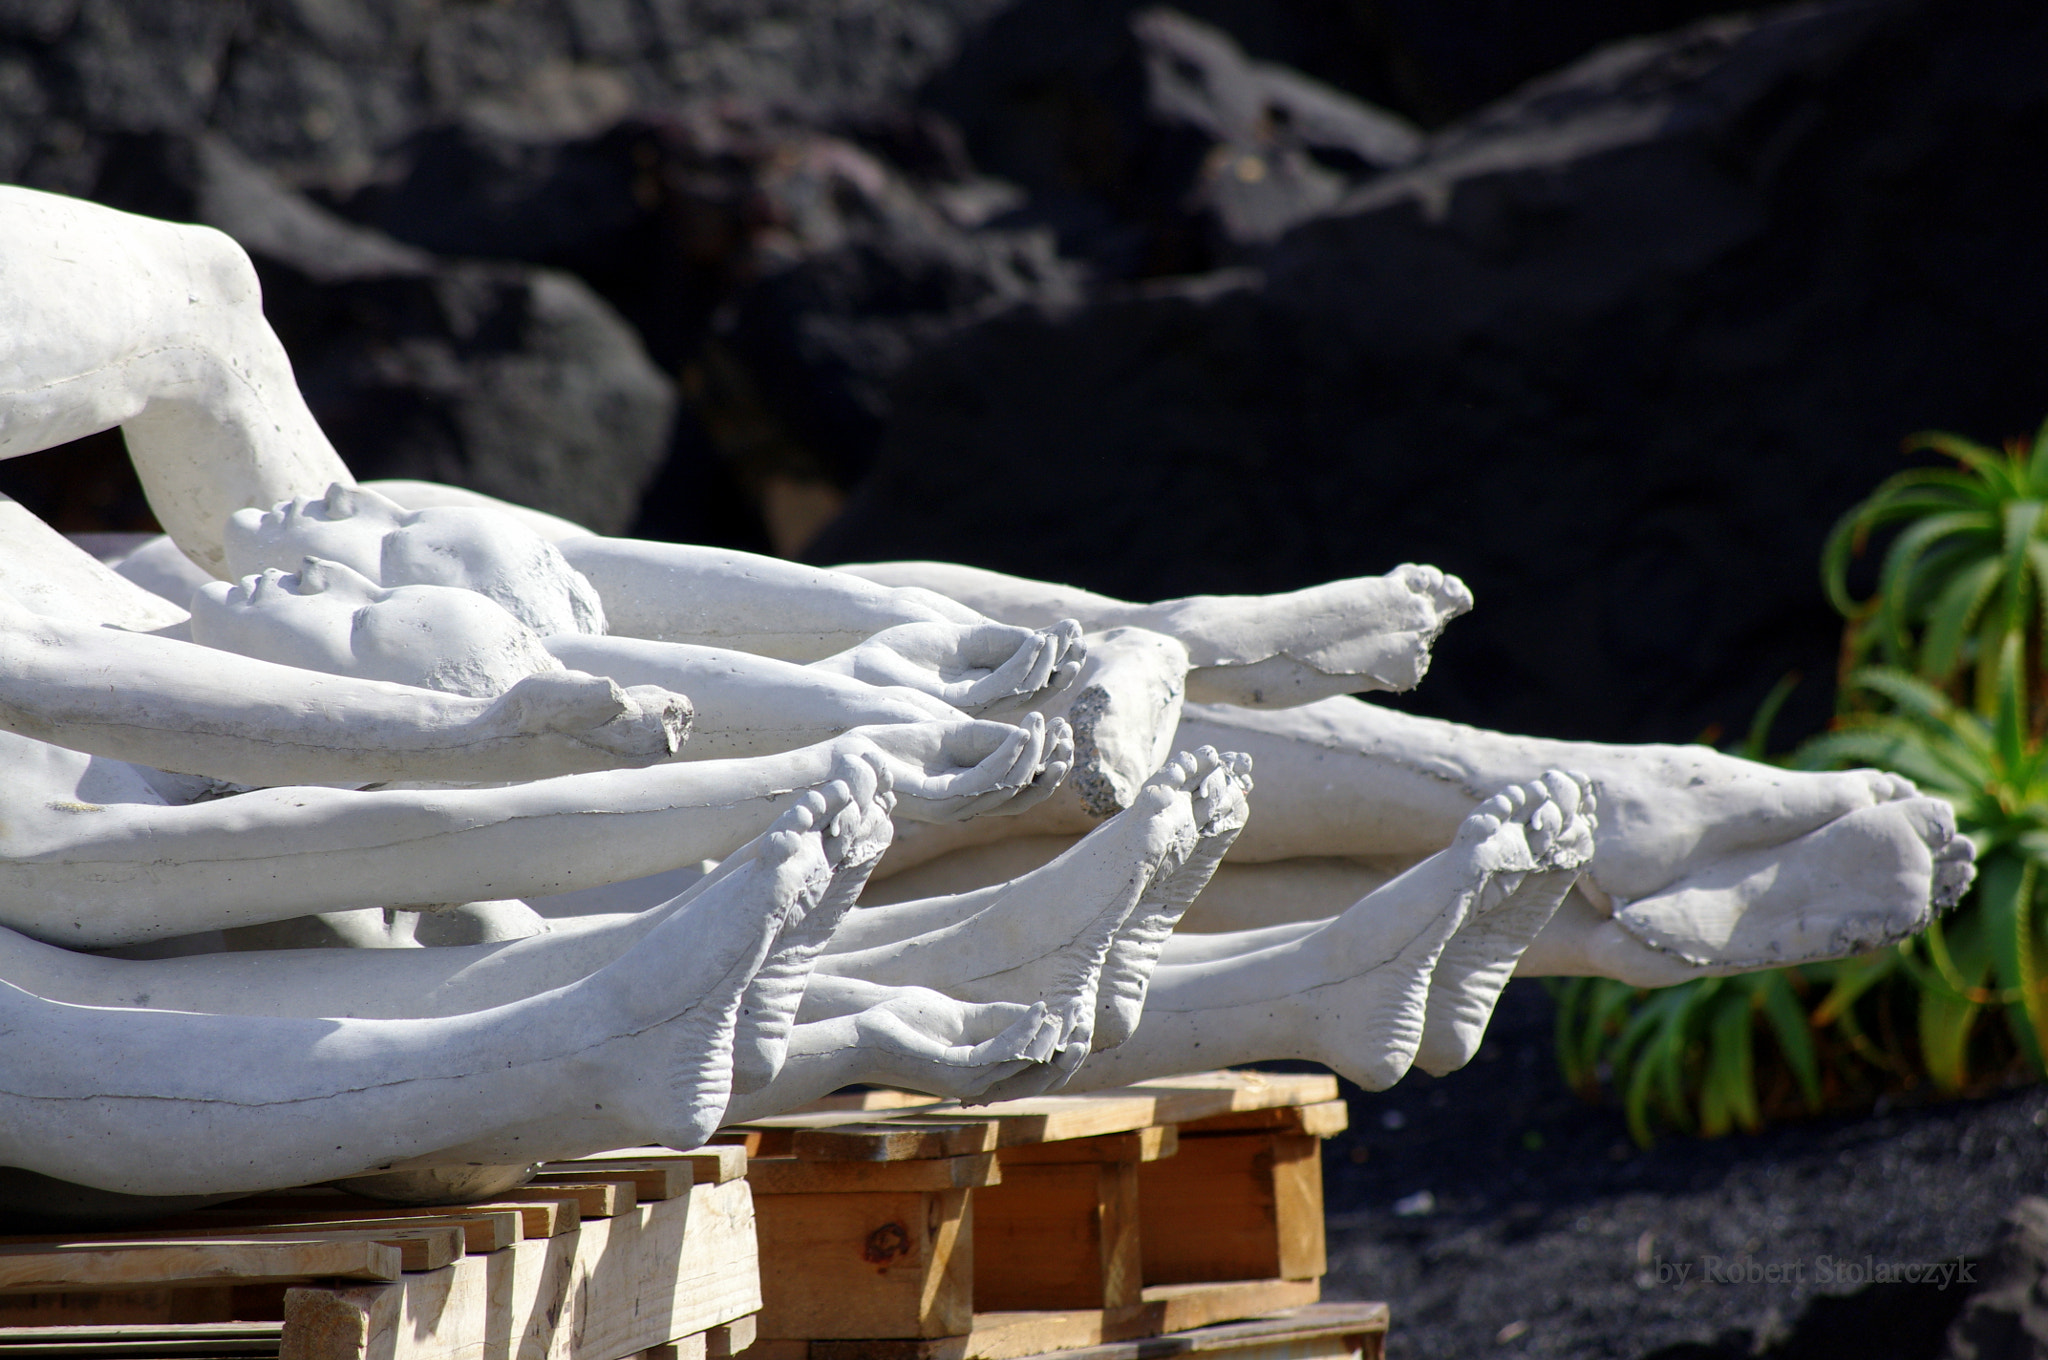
pixel 1617 350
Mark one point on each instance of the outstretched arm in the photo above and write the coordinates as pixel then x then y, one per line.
pixel 675 592
pixel 86 873
pixel 748 705
pixel 176 706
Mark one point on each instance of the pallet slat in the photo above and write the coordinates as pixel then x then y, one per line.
pixel 62 1269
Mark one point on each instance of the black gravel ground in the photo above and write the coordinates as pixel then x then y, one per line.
pixel 1499 1214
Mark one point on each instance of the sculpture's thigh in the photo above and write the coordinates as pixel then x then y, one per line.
pixel 107 312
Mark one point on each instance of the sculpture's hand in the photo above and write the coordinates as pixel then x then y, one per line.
pixel 640 725
pixel 950 771
pixel 970 666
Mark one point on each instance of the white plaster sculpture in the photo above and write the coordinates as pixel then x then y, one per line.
pixel 511 671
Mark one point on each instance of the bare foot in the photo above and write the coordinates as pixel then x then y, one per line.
pixel 1556 815
pixel 1862 880
pixel 1370 1017
pixel 1217 787
pixel 851 816
pixel 1277 651
pixel 668 1055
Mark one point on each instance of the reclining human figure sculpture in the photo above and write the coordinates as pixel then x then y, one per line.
pixel 157 329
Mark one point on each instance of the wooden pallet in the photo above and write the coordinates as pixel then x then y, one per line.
pixel 644 1253
pixel 935 1232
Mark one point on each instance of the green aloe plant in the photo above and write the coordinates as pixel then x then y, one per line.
pixel 1942 681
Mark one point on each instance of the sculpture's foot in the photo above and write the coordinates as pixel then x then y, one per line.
pixel 1865 879
pixel 1124 710
pixel 1216 787
pixel 1384 950
pixel 672 1003
pixel 850 815
pixel 1478 960
pixel 1276 651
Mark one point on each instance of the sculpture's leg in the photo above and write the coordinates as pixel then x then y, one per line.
pixel 1217 787
pixel 162 1102
pixel 1344 777
pixel 1045 934
pixel 852 814
pixel 1479 959
pixel 715 597
pixel 1353 993
pixel 157 328
pixel 1267 651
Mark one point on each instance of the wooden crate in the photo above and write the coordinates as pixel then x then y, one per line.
pixel 645 1253
pixel 1007 1230
pixel 1317 1331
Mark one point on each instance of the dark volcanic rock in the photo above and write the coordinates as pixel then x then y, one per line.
pixel 1617 351
pixel 508 379
pixel 786 272
pixel 2007 1317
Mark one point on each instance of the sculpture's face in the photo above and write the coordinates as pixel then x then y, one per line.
pixel 329 617
pixel 347 525
pixel 467 548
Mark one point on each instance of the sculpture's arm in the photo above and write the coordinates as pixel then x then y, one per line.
pixel 1264 651
pixel 675 592
pixel 89 874
pixel 746 704
pixel 172 705
pixel 158 328
pixel 973 666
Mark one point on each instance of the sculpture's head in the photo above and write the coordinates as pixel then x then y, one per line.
pixel 329 617
pixel 471 548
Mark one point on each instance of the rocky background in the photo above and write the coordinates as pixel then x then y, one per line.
pixel 1610 307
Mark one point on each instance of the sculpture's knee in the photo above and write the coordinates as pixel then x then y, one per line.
pixel 218 271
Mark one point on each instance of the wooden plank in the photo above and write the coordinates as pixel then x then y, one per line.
pixel 1313 1332
pixel 1058 1237
pixel 871 1098
pixel 896 1141
pixel 864 1265
pixel 1298 1206
pixel 683 1348
pixel 747 1140
pixel 708 1165
pixel 1164 1100
pixel 481 1232
pixel 722 1343
pixel 1323 1119
pixel 59 1268
pixel 592 1198
pixel 650 1180
pixel 655 1274
pixel 1183 1307
pixel 795 1176
pixel 1204 1095
pixel 540 1218
pixel 359 1323
pixel 133 1342
pixel 1141 1145
pixel 421 1246
pixel 148 1306
pixel 1234 1207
